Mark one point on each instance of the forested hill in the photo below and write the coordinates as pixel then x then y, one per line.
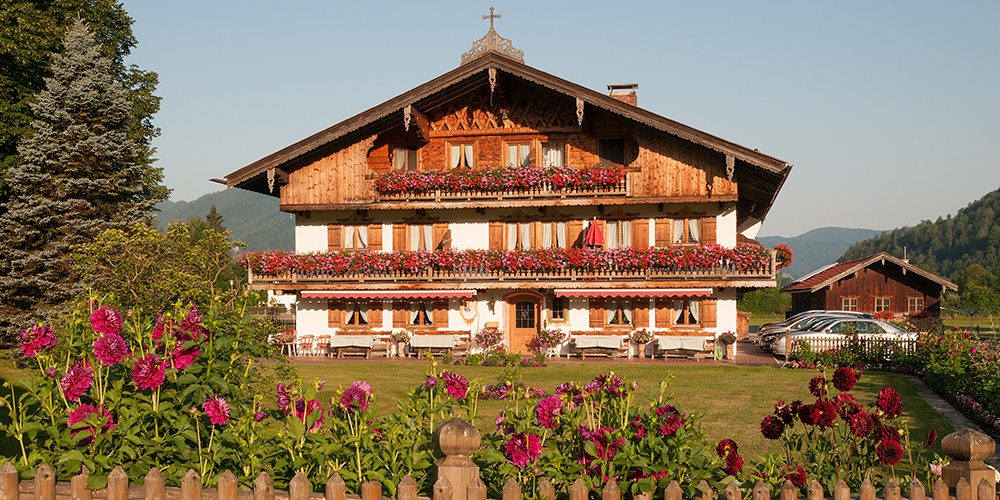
pixel 947 245
pixel 253 218
pixel 818 247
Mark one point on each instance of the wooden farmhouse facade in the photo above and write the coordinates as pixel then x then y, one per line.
pixel 499 195
pixel 871 284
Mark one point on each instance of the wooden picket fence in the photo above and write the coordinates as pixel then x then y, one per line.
pixel 457 478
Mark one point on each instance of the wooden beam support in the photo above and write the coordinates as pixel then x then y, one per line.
pixel 413 117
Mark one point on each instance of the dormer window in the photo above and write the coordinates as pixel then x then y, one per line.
pixel 404 159
pixel 462 156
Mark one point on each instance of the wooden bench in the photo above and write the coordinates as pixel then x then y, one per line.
pixel 352 343
pixel 696 347
pixel 610 344
pixel 438 341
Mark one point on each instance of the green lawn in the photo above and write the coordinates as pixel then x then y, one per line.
pixel 732 399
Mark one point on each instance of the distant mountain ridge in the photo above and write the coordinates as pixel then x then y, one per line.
pixel 818 247
pixel 253 218
pixel 948 245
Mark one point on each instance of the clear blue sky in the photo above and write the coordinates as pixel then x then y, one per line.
pixel 889 110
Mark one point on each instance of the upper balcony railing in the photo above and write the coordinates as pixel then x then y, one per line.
pixel 513 182
pixel 698 263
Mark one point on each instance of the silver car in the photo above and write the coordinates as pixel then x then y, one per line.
pixel 765 336
pixel 832 333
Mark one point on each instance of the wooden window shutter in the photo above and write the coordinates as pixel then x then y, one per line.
pixel 335 313
pixel 374 236
pixel 598 314
pixel 441 313
pixel 640 233
pixel 375 314
pixel 708 236
pixel 496 235
pixel 663 228
pixel 537 236
pixel 334 237
pixel 442 236
pixel 399 242
pixel 664 308
pixel 400 314
pixel 640 315
pixel 709 313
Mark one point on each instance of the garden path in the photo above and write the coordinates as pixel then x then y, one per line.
pixel 946 410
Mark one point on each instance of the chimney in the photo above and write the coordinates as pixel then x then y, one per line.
pixel 624 92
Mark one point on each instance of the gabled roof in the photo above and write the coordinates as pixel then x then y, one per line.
pixel 760 176
pixel 824 277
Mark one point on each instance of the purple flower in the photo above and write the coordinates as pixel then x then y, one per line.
pixel 670 419
pixel 106 320
pixel 217 410
pixel 51 372
pixel 522 449
pixel 76 381
pixel 284 399
pixel 356 397
pixel 148 372
pixel 455 384
pixel 548 410
pixel 36 339
pixel 92 415
pixel 259 416
pixel 431 382
pixel 110 349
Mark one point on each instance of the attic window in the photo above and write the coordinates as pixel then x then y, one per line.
pixel 462 156
pixel 404 159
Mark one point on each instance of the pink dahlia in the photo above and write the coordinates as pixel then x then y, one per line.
pixel 36 339
pixel 522 449
pixel 106 320
pixel 90 418
pixel 844 378
pixel 888 401
pixel 548 411
pixel 455 384
pixel 182 358
pixel 671 420
pixel 76 381
pixel 217 410
pixel 148 372
pixel 110 349
pixel 356 397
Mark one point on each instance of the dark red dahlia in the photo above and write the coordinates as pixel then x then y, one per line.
pixel 772 427
pixel 818 387
pixel 823 413
pixel 796 474
pixel 861 424
pixel 888 402
pixel 889 452
pixel 844 378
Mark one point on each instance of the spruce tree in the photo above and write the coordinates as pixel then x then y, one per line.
pixel 79 177
pixel 215 220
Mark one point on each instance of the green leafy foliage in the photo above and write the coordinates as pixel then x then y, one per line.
pixel 765 302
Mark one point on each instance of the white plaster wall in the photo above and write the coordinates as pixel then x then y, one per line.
pixel 751 232
pixel 725 227
pixel 470 235
pixel 311 317
pixel 725 306
pixel 310 234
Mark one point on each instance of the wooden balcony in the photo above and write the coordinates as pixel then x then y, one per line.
pixel 541 192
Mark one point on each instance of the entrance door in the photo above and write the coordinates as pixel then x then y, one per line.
pixel 524 315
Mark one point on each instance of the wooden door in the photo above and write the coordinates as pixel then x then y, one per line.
pixel 524 320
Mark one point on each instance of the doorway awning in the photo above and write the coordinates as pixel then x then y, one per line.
pixel 389 294
pixel 634 292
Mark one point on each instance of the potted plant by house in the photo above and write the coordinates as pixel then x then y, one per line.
pixel 398 339
pixel 548 339
pixel 641 337
pixel 727 341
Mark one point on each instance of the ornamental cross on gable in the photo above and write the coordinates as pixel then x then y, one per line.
pixel 491 17
pixel 493 42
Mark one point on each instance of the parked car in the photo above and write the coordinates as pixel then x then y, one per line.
pixel 841 328
pixel 803 321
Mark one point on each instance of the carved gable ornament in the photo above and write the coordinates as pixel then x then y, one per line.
pixel 493 42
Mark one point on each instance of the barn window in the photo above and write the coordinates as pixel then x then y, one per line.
pixel 519 236
pixel 558 309
pixel 553 154
pixel 422 313
pixel 882 304
pixel 355 313
pixel 850 304
pixel 421 237
pixel 356 237
pixel 553 234
pixel 619 312
pixel 686 312
pixel 619 234
pixel 914 304
pixel 686 231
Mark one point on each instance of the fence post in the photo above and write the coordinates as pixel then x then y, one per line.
pixel 154 487
pixel 78 486
pixel 191 486
pixel 118 484
pixel 9 482
pixel 45 483
pixel 967 449
pixel 457 439
pixel 263 487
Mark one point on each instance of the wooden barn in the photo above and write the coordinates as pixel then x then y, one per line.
pixel 499 195
pixel 876 283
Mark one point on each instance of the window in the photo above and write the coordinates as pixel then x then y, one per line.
pixel 421 237
pixel 356 237
pixel 553 154
pixel 404 159
pixel 422 313
pixel 619 312
pixel 612 151
pixel 619 234
pixel 355 314
pixel 881 304
pixel 686 312
pixel 519 155
pixel 686 231
pixel 850 304
pixel 558 308
pixel 519 236
pixel 524 314
pixel 553 234
pixel 462 156
pixel 914 304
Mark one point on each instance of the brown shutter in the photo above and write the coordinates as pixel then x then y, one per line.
pixel 442 236
pixel 598 314
pixel 662 229
pixel 708 236
pixel 640 313
pixel 574 233
pixel 664 308
pixel 537 237
pixel 335 313
pixel 375 314
pixel 399 242
pixel 374 236
pixel 400 314
pixel 441 313
pixel 496 235
pixel 640 233
pixel 709 313
pixel 334 237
